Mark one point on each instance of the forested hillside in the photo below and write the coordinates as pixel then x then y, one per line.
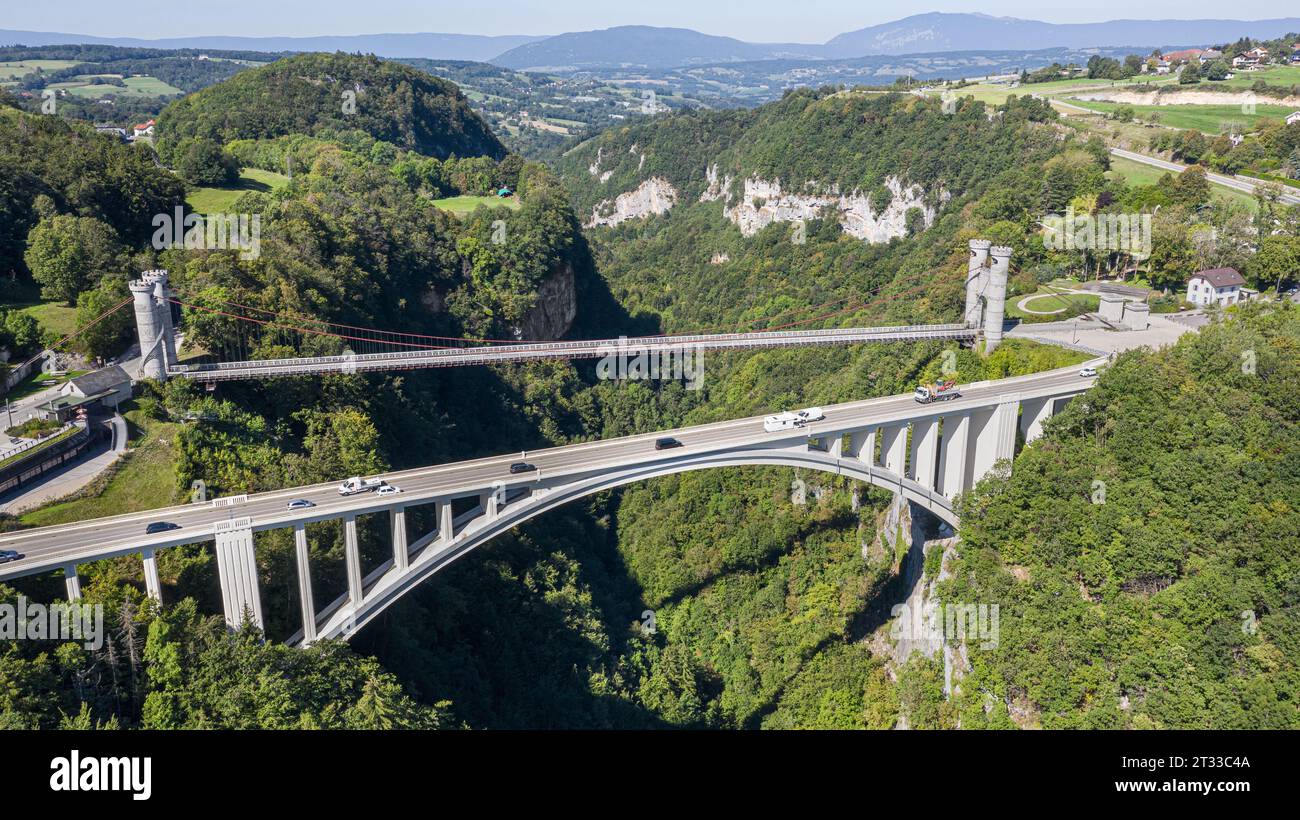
pixel 1143 552
pixel 312 93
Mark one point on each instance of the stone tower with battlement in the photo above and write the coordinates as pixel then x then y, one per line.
pixel 153 324
pixel 986 289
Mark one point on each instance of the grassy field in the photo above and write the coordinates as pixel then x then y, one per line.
pixel 1136 173
pixel 468 204
pixel 1210 119
pixel 1046 299
pixel 21 68
pixel 56 317
pixel 135 87
pixel 220 200
pixel 1277 75
pixel 143 480
pixel 997 93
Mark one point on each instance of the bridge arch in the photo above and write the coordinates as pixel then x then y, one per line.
pixel 384 585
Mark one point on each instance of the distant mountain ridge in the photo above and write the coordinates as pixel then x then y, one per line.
pixel 658 48
pixel 938 31
pixel 646 46
pixel 480 48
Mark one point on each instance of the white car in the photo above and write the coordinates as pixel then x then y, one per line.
pixel 1088 372
pixel 389 489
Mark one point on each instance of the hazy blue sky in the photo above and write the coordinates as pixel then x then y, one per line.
pixel 758 20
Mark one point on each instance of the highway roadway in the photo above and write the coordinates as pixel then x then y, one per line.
pixel 52 547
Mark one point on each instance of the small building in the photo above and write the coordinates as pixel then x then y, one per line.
pixel 1218 286
pixel 102 389
pixel 110 131
pixel 144 129
pixel 1293 118
pixel 1183 56
pixel 1210 55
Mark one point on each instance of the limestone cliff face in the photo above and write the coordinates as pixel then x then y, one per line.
pixel 654 196
pixel 764 202
pixel 556 307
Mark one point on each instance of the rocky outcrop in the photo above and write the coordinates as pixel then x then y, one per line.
pixel 556 307
pixel 654 196
pixel 764 202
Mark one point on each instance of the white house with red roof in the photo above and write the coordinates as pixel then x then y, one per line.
pixel 144 129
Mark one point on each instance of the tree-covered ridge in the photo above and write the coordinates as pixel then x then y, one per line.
pixel 338 92
pixel 813 140
pixel 1143 552
pixel 66 168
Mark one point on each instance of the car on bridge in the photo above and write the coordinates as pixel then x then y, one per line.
pixel 522 467
pixel 666 443
pixel 300 504
pixel 161 526
pixel 9 555
pixel 388 489
pixel 1088 372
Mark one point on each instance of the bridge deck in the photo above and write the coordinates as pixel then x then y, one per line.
pixel 596 348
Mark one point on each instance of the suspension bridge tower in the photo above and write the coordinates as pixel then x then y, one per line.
pixel 153 324
pixel 986 289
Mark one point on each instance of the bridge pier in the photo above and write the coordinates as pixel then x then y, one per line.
pixel 152 583
pixel 72 582
pixel 446 522
pixel 237 568
pixel 353 554
pixel 952 453
pixel 304 584
pixel 1036 411
pixel 397 522
pixel 893 448
pixel 925 450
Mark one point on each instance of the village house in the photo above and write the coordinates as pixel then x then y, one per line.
pixel 1184 56
pixel 1218 286
pixel 1293 118
pixel 143 130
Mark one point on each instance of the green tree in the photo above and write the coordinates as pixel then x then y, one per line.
pixel 1276 262
pixel 107 335
pixel 201 161
pixel 66 254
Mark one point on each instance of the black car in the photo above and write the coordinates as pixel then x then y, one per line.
pixel 9 555
pixel 522 467
pixel 666 443
pixel 160 526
